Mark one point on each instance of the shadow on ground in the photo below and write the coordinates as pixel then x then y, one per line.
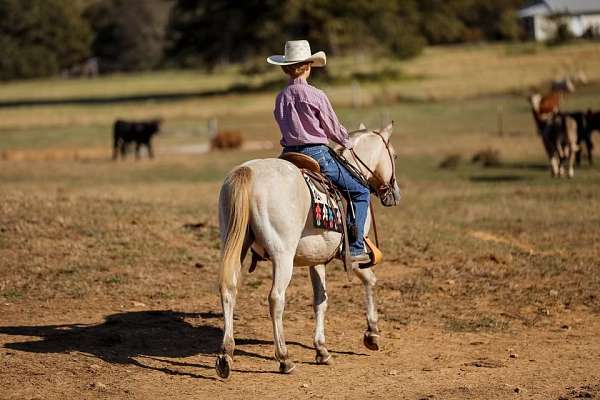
pixel 531 166
pixel 125 338
pixel 498 178
pixel 234 89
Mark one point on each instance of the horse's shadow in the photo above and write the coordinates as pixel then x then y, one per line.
pixel 131 337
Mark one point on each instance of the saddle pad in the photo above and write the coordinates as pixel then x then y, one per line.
pixel 326 211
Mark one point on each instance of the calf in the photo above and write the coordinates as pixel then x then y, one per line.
pixel 126 132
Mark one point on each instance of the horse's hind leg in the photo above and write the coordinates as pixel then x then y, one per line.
pixel 228 297
pixel 371 337
pixel 282 274
pixel 225 360
pixel 317 277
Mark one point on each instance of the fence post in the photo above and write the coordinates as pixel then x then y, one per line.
pixel 213 127
pixel 500 115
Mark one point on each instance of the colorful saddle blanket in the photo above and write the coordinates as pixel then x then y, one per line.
pixel 326 210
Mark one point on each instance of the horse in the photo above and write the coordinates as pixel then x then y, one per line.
pixel 265 205
pixel 559 135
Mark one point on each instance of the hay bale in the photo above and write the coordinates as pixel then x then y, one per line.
pixel 225 140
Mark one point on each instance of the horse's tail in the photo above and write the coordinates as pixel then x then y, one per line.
pixel 235 203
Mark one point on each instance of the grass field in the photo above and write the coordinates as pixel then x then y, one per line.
pixel 490 287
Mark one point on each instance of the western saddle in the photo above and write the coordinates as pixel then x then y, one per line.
pixel 310 165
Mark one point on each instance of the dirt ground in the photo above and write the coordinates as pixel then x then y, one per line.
pixel 108 292
pixel 105 349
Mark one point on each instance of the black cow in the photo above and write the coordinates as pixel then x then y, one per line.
pixel 592 120
pixel 583 136
pixel 126 132
pixel 586 124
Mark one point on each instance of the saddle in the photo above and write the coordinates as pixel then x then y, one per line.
pixel 302 161
pixel 312 173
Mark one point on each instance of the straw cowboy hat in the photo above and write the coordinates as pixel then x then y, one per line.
pixel 297 51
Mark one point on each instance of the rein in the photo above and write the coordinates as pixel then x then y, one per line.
pixel 384 187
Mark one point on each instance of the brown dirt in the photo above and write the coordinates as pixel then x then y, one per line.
pixel 150 330
pixel 107 290
pixel 126 349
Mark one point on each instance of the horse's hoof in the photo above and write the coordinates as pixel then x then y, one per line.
pixel 223 366
pixel 287 367
pixel 371 341
pixel 324 359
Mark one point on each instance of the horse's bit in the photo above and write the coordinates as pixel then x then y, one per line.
pixel 384 189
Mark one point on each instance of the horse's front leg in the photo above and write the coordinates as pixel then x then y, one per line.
pixel 282 274
pixel 555 165
pixel 571 162
pixel 371 337
pixel 317 277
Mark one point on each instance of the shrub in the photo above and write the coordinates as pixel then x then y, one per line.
pixel 450 162
pixel 487 157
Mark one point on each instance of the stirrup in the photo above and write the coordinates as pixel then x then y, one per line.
pixel 375 254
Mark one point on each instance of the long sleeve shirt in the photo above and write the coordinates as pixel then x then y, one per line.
pixel 305 116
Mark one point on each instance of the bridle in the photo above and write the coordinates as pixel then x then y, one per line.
pixel 382 189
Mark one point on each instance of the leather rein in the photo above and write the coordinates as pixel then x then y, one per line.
pixel 384 188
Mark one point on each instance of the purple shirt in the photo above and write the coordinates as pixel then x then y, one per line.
pixel 305 116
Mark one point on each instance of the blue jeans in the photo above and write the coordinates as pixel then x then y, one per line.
pixel 358 193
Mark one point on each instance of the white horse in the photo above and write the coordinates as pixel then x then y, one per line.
pixel 265 204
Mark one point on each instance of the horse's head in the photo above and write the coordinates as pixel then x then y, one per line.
pixel 374 155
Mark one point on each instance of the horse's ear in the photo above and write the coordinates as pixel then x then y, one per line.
pixel 387 131
pixel 362 126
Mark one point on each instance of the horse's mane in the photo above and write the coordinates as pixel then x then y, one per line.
pixel 354 136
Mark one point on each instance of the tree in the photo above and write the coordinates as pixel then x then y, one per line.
pixel 129 35
pixel 40 37
pixel 210 32
pixel 456 21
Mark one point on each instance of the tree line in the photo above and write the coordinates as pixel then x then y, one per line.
pixel 44 37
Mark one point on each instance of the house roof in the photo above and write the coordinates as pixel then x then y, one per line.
pixel 561 7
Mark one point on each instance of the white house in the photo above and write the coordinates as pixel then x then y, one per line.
pixel 541 18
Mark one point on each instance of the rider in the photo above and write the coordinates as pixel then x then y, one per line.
pixel 306 121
